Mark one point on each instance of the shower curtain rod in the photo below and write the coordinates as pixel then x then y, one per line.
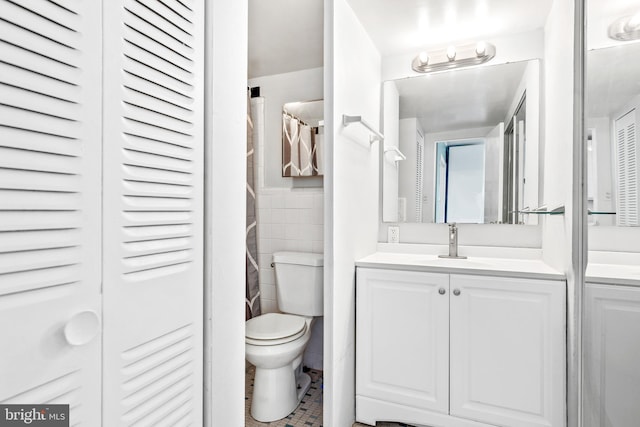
pixel 297 118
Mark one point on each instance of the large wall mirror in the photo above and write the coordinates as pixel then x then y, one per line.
pixel 463 145
pixel 611 337
pixel 612 115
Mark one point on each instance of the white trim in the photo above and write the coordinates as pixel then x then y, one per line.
pixel 225 188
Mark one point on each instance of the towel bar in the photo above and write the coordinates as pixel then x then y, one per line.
pixel 347 120
pixel 399 155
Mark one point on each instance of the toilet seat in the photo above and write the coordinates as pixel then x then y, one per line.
pixel 274 329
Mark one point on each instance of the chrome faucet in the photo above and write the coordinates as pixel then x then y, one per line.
pixel 453 243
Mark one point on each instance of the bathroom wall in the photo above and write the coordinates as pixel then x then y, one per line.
pixel 558 128
pixel 559 232
pixel 290 213
pixel 391 168
pixel 277 90
pixel 289 220
pixel 352 86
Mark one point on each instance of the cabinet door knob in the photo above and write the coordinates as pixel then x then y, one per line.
pixel 456 292
pixel 441 291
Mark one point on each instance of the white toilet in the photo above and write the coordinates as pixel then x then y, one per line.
pixel 275 342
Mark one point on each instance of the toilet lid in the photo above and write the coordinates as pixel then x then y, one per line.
pixel 274 326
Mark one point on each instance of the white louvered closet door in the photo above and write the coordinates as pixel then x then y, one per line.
pixel 49 205
pixel 153 225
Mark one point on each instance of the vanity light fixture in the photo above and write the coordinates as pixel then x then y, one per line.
pixel 451 53
pixel 626 28
pixel 453 57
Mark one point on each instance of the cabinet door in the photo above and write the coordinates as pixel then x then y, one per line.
pixel 50 166
pixel 402 344
pixel 507 350
pixel 612 353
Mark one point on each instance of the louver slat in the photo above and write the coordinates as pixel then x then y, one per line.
pixel 158 171
pixel 66 389
pixel 31 100
pixel 42 135
pixel 50 149
pixel 154 111
pixel 25 15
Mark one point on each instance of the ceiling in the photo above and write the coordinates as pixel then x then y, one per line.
pixel 284 36
pixel 287 35
pixel 311 112
pixel 464 99
pixel 611 79
pixel 401 26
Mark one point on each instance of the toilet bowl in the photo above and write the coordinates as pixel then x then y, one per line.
pixel 275 344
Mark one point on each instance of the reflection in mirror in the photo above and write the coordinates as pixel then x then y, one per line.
pixel 470 138
pixel 460 181
pixel 302 139
pixel 612 109
pixel 610 333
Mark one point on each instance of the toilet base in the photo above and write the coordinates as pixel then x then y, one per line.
pixel 276 393
pixel 304 383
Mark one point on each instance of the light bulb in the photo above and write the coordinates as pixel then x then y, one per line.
pixel 481 49
pixel 451 53
pixel 423 58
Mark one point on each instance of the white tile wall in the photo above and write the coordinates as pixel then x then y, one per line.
pixel 288 220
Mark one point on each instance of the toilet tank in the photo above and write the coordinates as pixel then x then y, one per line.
pixel 299 282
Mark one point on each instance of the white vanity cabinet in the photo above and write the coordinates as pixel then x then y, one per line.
pixel 442 349
pixel 612 355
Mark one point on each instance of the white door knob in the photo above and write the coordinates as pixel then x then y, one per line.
pixel 82 327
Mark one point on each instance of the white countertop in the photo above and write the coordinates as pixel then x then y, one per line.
pixel 613 274
pixel 488 266
pixel 615 268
